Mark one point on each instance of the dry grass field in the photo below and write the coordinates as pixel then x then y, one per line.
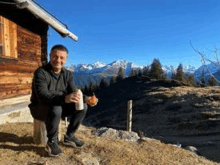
pixel 17 148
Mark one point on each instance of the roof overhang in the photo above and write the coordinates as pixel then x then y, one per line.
pixel 51 20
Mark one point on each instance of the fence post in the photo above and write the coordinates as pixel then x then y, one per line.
pixel 129 115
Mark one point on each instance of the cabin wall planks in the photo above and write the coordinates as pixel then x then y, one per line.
pixel 25 49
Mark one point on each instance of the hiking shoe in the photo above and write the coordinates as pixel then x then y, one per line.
pixel 72 141
pixel 53 149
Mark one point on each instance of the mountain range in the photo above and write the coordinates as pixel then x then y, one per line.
pixel 84 73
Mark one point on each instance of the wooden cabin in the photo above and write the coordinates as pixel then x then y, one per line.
pixel 23 44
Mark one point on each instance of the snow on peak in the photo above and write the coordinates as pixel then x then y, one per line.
pixel 98 64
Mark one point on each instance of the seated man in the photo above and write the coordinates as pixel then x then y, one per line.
pixel 54 96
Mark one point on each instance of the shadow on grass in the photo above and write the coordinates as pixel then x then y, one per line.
pixel 8 137
pixel 24 143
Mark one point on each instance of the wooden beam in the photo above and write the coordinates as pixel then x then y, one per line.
pixel 13 39
pixel 6 37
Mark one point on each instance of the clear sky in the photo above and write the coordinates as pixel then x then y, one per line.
pixel 137 30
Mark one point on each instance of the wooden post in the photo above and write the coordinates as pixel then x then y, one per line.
pixel 129 115
pixel 40 133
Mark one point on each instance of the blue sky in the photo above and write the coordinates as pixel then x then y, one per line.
pixel 137 30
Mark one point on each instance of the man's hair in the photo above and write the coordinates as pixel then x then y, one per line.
pixel 59 47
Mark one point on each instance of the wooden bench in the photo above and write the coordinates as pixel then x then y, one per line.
pixel 40 133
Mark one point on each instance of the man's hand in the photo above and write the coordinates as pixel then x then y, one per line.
pixel 72 98
pixel 87 100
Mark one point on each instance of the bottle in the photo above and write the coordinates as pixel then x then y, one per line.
pixel 80 105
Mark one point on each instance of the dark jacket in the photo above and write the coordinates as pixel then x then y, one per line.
pixel 49 89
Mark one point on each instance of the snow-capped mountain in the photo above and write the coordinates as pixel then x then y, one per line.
pixel 84 73
pixel 99 67
pixel 186 69
pixel 85 67
pixel 212 67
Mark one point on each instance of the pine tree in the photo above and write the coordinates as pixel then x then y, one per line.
pixel 156 69
pixel 113 80
pixel 191 80
pixel 139 73
pixel 132 73
pixel 212 81
pixel 120 74
pixel 91 87
pixel 173 74
pixel 146 71
pixel 136 72
pixel 164 76
pixel 180 74
pixel 96 87
pixel 103 83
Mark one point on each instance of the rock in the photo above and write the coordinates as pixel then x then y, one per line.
pixel 91 161
pixel 106 132
pixel 193 149
pixel 115 134
pixel 128 136
pixel 177 145
pixel 87 159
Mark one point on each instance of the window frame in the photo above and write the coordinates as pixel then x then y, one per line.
pixel 8 37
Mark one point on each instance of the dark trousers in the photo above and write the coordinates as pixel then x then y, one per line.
pixel 58 112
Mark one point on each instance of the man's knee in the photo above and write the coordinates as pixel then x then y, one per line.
pixel 56 111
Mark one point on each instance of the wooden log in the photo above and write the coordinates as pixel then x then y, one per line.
pixel 40 133
pixel 129 115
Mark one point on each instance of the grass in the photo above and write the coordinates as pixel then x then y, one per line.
pixel 16 147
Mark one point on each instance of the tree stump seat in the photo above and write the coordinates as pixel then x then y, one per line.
pixel 40 133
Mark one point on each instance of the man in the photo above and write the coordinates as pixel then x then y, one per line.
pixel 54 96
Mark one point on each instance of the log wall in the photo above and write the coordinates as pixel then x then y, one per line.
pixel 16 73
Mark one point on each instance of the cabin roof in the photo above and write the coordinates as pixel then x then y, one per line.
pixel 46 16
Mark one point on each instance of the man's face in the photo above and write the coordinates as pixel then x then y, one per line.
pixel 58 59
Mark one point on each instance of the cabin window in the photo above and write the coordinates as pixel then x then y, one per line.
pixel 8 38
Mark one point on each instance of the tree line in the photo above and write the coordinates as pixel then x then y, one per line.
pixel 154 71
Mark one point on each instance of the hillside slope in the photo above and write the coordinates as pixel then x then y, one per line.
pixel 165 110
